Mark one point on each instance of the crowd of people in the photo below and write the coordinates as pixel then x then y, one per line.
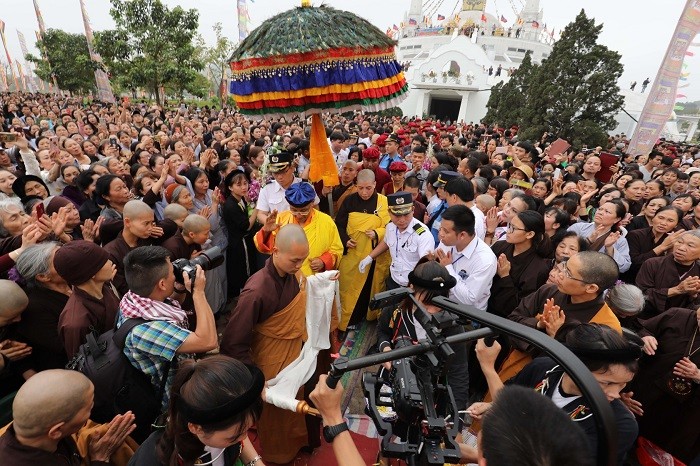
pixel 596 247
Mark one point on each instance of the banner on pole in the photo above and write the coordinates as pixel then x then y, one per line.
pixel 104 88
pixel 661 100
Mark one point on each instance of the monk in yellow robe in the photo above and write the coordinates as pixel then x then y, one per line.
pixel 325 246
pixel 362 220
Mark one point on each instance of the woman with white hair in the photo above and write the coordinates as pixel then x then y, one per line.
pixel 48 294
pixel 672 280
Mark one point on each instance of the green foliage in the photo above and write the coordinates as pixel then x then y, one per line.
pixel 689 108
pixel 216 58
pixel 151 46
pixel 574 92
pixel 507 101
pixel 69 61
pixel 301 30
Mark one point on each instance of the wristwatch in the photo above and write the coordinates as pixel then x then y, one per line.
pixel 331 432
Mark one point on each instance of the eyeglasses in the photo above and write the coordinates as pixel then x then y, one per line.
pixel 510 228
pixel 567 273
pixel 300 213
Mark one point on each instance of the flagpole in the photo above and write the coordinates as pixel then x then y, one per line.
pixel 40 36
pixel 104 88
pixel 25 52
pixel 7 53
pixel 242 19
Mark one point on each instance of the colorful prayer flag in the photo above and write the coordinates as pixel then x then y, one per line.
pixel 39 18
pixel 503 19
pixel 440 17
pixel 3 75
pixel 395 28
pixel 680 96
pixel 412 22
pixel 535 24
pixel 242 20
pixel 689 53
pixel 104 88
pixel 657 108
pixel 483 17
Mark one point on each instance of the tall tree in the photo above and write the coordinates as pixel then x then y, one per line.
pixel 216 58
pixel 507 100
pixel 69 60
pixel 151 46
pixel 574 92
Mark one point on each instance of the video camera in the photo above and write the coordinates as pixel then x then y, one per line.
pixel 426 422
pixel 208 260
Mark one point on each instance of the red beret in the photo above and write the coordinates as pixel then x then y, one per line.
pixel 398 167
pixel 371 153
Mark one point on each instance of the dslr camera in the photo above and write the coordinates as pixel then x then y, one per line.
pixel 208 260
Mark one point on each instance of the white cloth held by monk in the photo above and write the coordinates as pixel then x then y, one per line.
pixel 321 291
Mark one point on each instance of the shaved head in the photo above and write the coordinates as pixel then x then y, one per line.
pixel 365 176
pixel 291 250
pixel 290 235
pixel 14 301
pixel 195 223
pixel 48 398
pixel 174 212
pixel 136 209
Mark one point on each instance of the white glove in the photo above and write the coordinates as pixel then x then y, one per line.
pixel 364 263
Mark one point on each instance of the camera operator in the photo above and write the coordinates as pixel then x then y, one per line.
pixel 428 280
pixel 546 434
pixel 152 346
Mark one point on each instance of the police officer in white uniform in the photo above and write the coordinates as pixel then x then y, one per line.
pixel 271 196
pixel 407 239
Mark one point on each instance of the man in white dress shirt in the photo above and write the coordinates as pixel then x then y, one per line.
pixel 466 257
pixel 460 191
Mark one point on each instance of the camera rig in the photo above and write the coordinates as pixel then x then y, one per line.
pixel 427 415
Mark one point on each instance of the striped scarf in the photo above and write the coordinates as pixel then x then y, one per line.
pixel 135 306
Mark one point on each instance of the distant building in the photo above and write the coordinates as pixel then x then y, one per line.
pixel 447 64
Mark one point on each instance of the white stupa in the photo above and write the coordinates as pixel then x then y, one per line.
pixel 449 62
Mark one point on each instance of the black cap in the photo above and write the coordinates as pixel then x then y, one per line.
pixel 393 138
pixel 444 177
pixel 280 161
pixel 400 203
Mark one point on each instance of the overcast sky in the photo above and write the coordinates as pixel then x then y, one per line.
pixel 638 30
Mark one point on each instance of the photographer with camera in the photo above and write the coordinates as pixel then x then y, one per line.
pixel 428 280
pixel 153 346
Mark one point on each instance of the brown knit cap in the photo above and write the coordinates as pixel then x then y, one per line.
pixel 78 261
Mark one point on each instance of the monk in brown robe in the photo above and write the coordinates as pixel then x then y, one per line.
pixel 267 328
pixel 667 383
pixel 579 297
pixel 576 297
pixel 672 280
pixel 187 244
pixel 346 186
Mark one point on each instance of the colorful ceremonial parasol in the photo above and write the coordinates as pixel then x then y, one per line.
pixel 314 59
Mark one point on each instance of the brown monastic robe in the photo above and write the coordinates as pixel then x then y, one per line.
pixel 668 422
pixel 267 328
pixel 658 275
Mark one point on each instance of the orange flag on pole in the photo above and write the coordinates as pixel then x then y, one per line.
pixel 322 163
